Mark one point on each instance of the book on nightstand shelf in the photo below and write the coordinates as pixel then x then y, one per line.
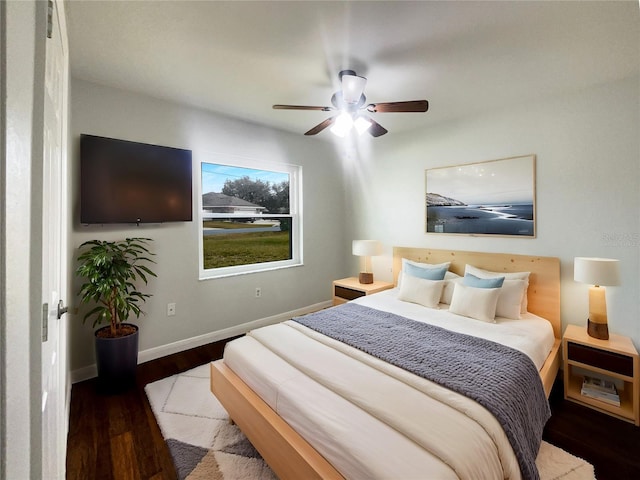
pixel 600 389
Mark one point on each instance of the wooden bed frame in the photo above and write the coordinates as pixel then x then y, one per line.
pixel 288 454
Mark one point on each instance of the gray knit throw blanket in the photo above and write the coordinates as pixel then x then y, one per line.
pixel 503 380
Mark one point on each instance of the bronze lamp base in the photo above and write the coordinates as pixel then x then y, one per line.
pixel 597 330
pixel 365 278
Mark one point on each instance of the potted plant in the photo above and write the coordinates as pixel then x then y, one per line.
pixel 110 270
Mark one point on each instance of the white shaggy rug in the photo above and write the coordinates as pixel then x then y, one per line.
pixel 204 445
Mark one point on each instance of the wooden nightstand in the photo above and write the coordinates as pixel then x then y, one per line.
pixel 350 289
pixel 614 359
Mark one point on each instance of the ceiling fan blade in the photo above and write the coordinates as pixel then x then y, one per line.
pixel 321 126
pixel 376 130
pixel 301 107
pixel 410 106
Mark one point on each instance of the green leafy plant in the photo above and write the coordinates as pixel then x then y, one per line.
pixel 110 270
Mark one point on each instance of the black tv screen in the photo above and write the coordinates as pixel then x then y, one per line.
pixel 130 182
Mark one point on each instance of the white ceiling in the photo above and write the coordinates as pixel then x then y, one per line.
pixel 239 58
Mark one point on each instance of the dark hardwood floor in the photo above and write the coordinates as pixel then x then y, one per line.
pixel 612 446
pixel 116 436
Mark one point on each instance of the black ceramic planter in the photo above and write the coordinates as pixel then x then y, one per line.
pixel 117 361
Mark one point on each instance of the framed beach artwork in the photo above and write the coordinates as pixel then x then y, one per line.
pixel 496 197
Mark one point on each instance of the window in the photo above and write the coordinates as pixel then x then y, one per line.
pixel 249 218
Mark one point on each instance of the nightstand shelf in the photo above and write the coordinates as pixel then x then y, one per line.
pixel 614 359
pixel 350 288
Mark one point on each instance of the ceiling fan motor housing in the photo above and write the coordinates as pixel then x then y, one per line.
pixel 346 72
pixel 337 100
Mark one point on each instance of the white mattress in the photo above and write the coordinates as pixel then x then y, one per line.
pixel 373 420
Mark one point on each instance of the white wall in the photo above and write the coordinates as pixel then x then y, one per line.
pixel 210 305
pixel 588 201
pixel 588 188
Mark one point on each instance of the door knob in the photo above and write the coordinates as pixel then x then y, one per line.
pixel 61 309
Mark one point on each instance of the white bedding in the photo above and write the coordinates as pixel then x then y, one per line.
pixel 371 419
pixel 531 334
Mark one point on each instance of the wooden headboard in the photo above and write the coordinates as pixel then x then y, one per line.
pixel 543 295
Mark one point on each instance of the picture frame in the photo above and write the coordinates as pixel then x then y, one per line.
pixel 493 198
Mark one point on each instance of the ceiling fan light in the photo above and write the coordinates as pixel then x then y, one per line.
pixel 342 125
pixel 362 125
pixel 352 88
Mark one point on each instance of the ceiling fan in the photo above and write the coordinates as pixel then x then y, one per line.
pixel 350 102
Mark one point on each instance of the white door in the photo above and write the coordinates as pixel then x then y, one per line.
pixel 54 233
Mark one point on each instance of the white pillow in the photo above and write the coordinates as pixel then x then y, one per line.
pixel 450 279
pixel 479 272
pixel 510 299
pixel 478 303
pixel 426 266
pixel 421 291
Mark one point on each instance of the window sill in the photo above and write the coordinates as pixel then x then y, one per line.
pixel 211 276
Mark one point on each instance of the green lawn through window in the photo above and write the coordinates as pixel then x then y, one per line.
pixel 227 250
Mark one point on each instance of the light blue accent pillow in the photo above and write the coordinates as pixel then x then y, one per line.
pixel 477 282
pixel 426 273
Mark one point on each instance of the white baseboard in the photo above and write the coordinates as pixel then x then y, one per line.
pixel 91 371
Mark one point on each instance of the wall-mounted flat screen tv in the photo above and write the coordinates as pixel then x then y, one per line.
pixel 130 182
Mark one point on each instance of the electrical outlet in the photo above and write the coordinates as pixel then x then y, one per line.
pixel 171 309
pixel 258 292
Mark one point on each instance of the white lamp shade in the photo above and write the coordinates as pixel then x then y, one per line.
pixel 352 88
pixel 366 248
pixel 342 125
pixel 596 271
pixel 362 125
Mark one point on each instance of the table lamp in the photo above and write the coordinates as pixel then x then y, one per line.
pixel 366 249
pixel 597 272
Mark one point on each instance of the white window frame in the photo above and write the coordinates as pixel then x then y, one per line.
pixel 295 213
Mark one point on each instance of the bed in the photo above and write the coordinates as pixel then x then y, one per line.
pixel 307 420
